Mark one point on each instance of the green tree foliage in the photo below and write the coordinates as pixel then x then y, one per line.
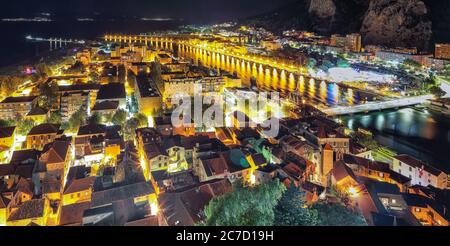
pixel 94 119
pixel 342 62
pixel 43 71
pixel 326 65
pixel 24 126
pixel 76 68
pixel 292 210
pixel 48 94
pixel 142 120
pixel 311 63
pixel 6 123
pixel 245 206
pixel 107 118
pixel 366 140
pixel 132 105
pixel 119 117
pixel 76 120
pixel 55 118
pixel 9 84
pixel 437 91
pixel 412 64
pixel 337 215
pixel 130 128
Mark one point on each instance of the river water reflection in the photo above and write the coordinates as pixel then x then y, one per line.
pixel 422 134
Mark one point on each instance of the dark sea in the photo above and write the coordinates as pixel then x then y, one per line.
pixel 14 48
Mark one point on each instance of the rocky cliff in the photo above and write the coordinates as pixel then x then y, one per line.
pixel 399 22
pixel 384 22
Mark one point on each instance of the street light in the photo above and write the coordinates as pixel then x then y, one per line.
pixel 353 192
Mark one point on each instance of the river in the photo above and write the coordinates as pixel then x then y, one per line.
pixel 419 133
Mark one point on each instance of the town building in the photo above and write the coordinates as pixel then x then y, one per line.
pixel 43 134
pixel 93 143
pixel 106 109
pixel 442 51
pixel 74 102
pixel 6 142
pixel 38 115
pixel 148 97
pixel 189 85
pixel 78 191
pixel 88 88
pixel 351 42
pixel 419 172
pixel 112 92
pixel 13 107
pixel 186 207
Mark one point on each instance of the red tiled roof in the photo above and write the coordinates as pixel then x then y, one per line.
pixel 45 129
pixel 73 213
pixel 28 210
pixel 78 185
pixel 6 132
pixel 411 161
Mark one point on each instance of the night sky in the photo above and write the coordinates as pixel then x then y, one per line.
pixel 199 10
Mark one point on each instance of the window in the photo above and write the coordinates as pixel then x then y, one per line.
pixel 394 201
pixel 381 175
pixel 417 209
pixel 410 169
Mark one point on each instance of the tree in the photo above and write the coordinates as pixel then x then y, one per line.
pixel 107 118
pixel 342 62
pixel 337 215
pixel 245 206
pixel 133 106
pixel 130 127
pixel 76 120
pixel 9 84
pixel 24 126
pixel 311 63
pixel 142 120
pixel 412 64
pixel 6 123
pixel 326 65
pixel 119 117
pixel 366 140
pixel 49 94
pixel 94 119
pixel 292 210
pixel 55 118
pixel 437 91
pixel 43 71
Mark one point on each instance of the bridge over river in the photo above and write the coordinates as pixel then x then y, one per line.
pixel 376 106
